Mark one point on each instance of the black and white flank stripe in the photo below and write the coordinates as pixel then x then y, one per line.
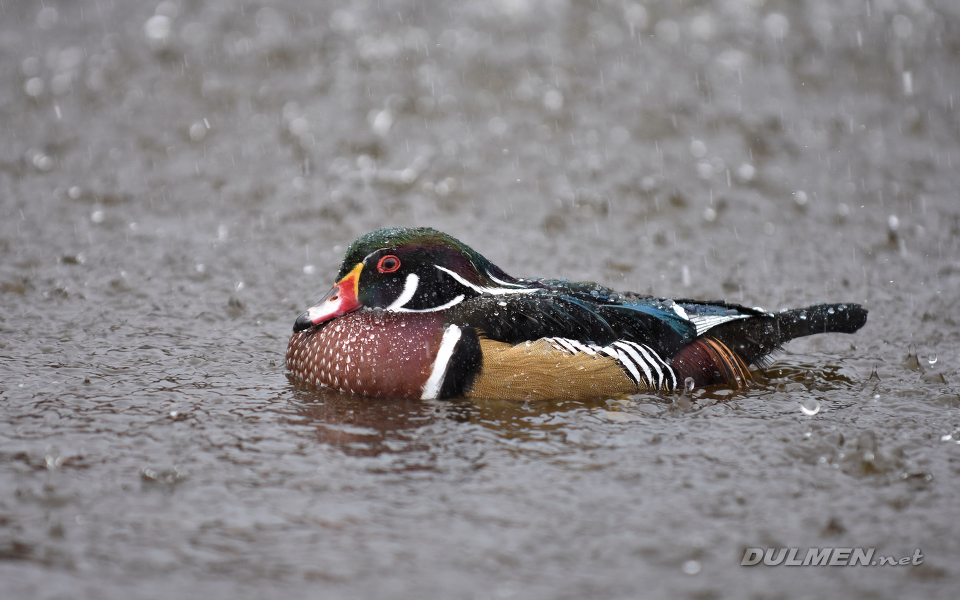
pixel 639 361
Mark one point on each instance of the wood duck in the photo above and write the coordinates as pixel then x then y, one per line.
pixel 416 313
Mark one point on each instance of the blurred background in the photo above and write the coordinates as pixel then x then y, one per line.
pixel 179 180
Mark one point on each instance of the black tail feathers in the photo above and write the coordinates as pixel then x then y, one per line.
pixel 754 340
pixel 821 318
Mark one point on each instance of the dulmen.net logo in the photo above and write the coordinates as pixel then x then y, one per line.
pixel 825 557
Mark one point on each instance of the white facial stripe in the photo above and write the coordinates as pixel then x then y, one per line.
pixel 448 344
pixel 485 290
pixel 453 302
pixel 409 289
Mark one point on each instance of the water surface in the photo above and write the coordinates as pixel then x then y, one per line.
pixel 178 181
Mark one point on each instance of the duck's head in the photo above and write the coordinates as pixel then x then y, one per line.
pixel 407 270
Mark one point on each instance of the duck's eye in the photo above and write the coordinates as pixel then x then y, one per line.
pixel 388 264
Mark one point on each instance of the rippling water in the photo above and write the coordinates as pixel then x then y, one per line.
pixel 178 181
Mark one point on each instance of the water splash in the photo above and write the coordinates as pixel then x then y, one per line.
pixel 685 400
pixel 953 436
pixel 911 361
pixel 867 446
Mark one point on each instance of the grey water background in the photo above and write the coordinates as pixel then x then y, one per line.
pixel 178 181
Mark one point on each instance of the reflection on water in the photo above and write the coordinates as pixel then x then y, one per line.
pixel 358 425
pixel 361 426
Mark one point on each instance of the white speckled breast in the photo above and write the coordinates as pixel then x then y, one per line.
pixel 372 353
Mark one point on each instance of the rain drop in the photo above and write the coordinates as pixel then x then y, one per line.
pixel 691 567
pixel 47 17
pixel 553 100
pixel 381 123
pixel 902 26
pixel 777 26
pixel 198 131
pixel 668 31
pixel 34 87
pixel 746 172
pixel 698 149
pixel 157 29
pixel 932 358
pixel 810 406
pixel 498 126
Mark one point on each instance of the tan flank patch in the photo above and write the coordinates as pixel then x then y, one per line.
pixel 538 371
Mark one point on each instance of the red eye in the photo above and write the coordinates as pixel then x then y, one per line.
pixel 388 264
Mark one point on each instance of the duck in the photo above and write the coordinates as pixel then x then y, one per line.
pixel 417 314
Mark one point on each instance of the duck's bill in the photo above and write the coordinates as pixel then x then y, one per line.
pixel 342 299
